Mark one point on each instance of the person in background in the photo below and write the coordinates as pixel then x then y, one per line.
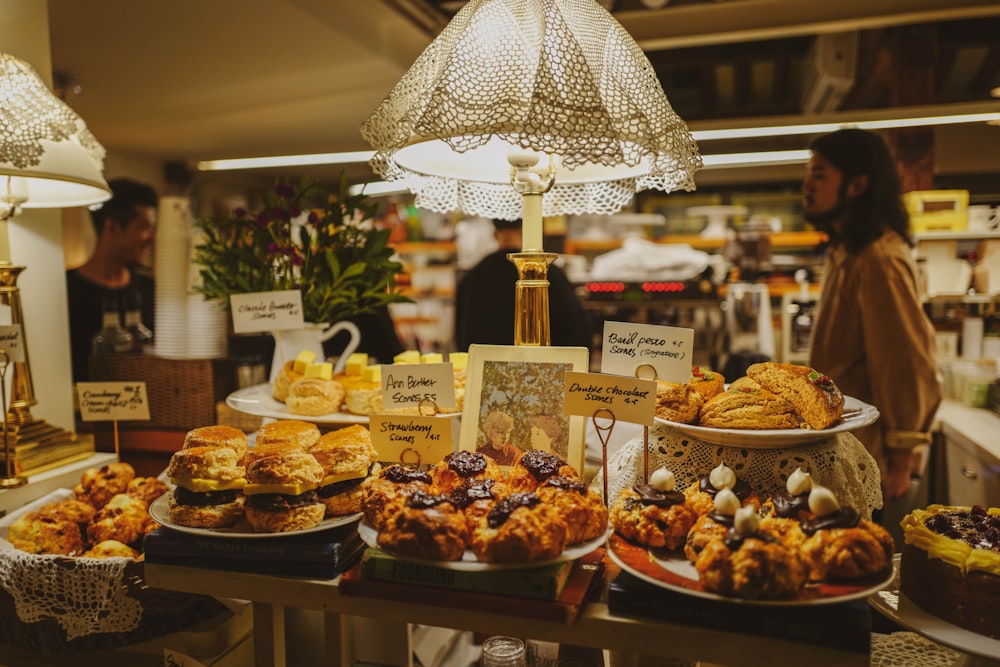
pixel 871 334
pixel 484 299
pixel 497 428
pixel 125 227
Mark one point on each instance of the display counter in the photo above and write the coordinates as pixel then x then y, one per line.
pixel 595 626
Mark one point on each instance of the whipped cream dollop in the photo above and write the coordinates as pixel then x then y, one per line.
pixel 727 503
pixel 663 479
pixel 822 502
pixel 799 482
pixel 722 477
pixel 746 522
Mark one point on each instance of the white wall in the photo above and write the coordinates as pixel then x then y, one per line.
pixel 36 241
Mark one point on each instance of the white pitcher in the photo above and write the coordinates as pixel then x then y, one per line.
pixel 289 342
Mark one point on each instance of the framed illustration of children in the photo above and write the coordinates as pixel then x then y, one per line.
pixel 514 402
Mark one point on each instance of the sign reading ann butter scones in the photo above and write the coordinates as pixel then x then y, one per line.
pixel 112 401
pixel 411 440
pixel 407 385
pixel 631 400
pixel 627 346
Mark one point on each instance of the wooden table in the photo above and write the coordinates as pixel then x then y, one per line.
pixel 595 627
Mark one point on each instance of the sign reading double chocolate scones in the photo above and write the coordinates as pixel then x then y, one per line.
pixel 411 440
pixel 112 401
pixel 630 399
pixel 628 346
pixel 409 385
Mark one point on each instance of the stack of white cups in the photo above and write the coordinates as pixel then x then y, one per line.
pixel 187 326
pixel 171 262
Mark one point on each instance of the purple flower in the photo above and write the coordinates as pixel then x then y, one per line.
pixel 261 220
pixel 273 247
pixel 239 212
pixel 284 190
pixel 313 217
pixel 295 212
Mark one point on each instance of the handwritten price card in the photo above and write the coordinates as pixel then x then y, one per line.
pixel 411 440
pixel 406 385
pixel 112 401
pixel 630 399
pixel 626 346
pixel 266 311
pixel 11 343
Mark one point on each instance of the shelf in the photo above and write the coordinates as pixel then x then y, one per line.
pixel 425 247
pixel 779 241
pixel 964 235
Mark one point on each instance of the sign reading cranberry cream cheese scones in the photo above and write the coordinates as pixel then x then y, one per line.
pixel 950 565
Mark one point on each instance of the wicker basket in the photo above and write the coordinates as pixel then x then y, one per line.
pixel 182 393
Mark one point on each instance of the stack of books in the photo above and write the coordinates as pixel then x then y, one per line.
pixel 321 555
pixel 38 446
pixel 555 592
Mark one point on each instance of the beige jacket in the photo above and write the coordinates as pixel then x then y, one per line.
pixel 872 337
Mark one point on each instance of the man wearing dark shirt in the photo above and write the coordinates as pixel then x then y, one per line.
pixel 125 227
pixel 484 299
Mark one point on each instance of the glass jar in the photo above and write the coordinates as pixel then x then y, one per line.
pixel 500 651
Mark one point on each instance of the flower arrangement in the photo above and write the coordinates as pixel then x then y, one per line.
pixel 306 238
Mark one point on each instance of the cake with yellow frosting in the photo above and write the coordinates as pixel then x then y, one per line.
pixel 950 565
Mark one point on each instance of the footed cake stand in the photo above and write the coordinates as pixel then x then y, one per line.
pixel 979 650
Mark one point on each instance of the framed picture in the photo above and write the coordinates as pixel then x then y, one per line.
pixel 514 397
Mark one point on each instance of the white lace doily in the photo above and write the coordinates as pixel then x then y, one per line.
pixel 903 649
pixel 84 595
pixel 840 463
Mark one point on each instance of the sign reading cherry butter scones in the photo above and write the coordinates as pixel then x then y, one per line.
pixel 409 385
pixel 266 311
pixel 411 440
pixel 627 346
pixel 112 401
pixel 631 400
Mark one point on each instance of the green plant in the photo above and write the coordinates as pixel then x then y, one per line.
pixel 303 237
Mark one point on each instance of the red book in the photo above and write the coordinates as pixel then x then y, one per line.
pixel 582 579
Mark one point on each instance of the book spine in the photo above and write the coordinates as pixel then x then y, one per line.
pixel 179 545
pixel 542 583
pixel 315 570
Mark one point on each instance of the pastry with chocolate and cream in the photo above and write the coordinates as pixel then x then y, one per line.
pixel 701 493
pixel 519 528
pixel 839 544
pixel 653 514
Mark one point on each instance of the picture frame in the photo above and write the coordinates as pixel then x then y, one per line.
pixel 520 391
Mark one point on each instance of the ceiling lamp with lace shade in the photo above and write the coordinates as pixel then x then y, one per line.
pixel 531 108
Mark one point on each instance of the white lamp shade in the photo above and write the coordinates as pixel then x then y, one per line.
pixel 48 158
pixel 557 77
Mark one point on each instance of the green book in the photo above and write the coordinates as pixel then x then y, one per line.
pixel 545 582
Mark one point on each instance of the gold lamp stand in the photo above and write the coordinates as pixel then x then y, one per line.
pixel 531 293
pixel 20 428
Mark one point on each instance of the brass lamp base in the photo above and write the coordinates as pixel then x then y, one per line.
pixel 531 297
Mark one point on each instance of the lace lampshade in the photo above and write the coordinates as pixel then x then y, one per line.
pixel 48 157
pixel 557 77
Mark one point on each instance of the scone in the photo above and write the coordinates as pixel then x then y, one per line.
pixel 701 493
pixel 461 466
pixel 534 467
pixel 347 457
pixel 45 535
pixel 427 526
pixel 283 380
pixel 207 487
pixel 749 563
pixel 677 402
pixel 520 528
pixel 281 492
pixel 295 432
pixel 747 405
pixel 814 395
pixel 123 519
pixel 841 546
pixel 383 492
pixel 218 435
pixel 653 515
pixel 314 396
pixel 707 383
pixel 581 507
pixel 111 549
pixel 99 485
pixel 146 489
